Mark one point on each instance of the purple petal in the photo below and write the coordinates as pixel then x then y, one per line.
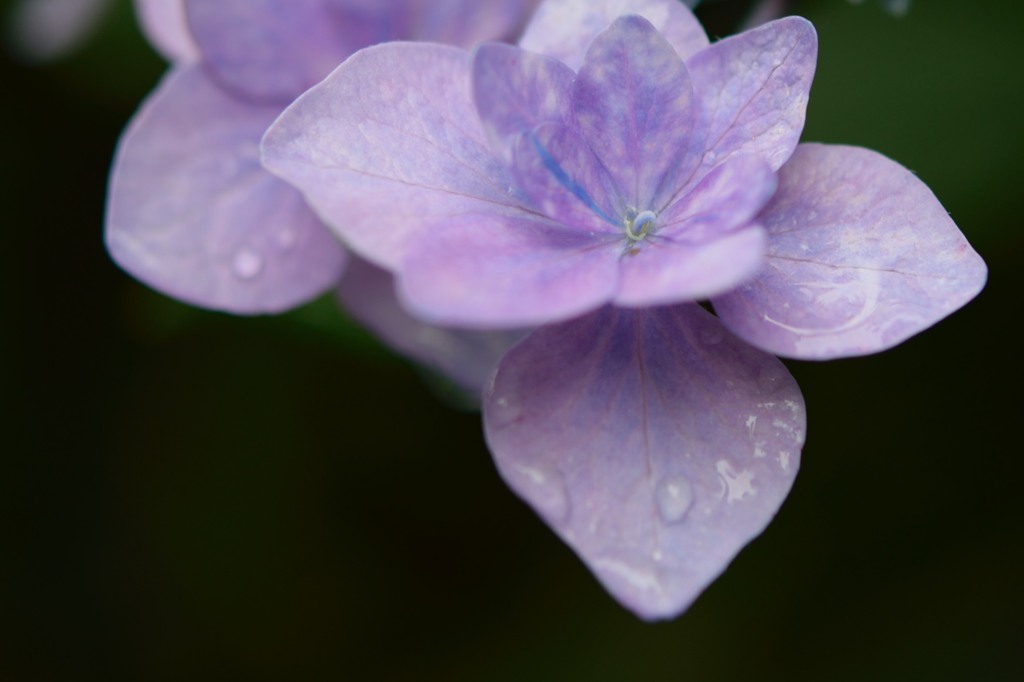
pixel 861 256
pixel 468 357
pixel 671 271
pixel 727 197
pixel 632 100
pixel 558 172
pixel 165 26
pixel 389 143
pixel 705 244
pixel 652 441
pixel 753 90
pixel 270 50
pixel 517 90
pixel 463 23
pixel 564 28
pixel 193 214
pixel 498 270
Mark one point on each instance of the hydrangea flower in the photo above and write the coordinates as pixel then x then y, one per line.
pixel 191 212
pixel 600 179
pixel 43 30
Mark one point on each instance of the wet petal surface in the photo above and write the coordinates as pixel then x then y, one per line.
pixel 192 213
pixel 861 256
pixel 753 90
pixel 653 442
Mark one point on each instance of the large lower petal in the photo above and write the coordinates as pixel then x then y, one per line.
pixel 389 144
pixel 486 270
pixel 564 29
pixel 861 256
pixel 753 90
pixel 634 105
pixel 466 356
pixel 192 213
pixel 653 442
pixel 271 50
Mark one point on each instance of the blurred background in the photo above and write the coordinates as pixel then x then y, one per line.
pixel 186 493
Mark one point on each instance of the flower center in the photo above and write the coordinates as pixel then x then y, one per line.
pixel 638 224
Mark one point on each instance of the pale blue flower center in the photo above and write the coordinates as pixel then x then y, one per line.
pixel 638 224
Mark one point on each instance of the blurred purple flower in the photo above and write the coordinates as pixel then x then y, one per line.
pixel 42 30
pixel 604 175
pixel 190 210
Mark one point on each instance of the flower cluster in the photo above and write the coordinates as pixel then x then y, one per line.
pixel 595 183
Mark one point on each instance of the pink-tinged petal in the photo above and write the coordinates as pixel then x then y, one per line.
pixel 652 441
pixel 166 28
pixel 557 171
pixel 672 271
pixel 564 29
pixel 389 143
pixel 493 270
pixel 269 50
pixel 633 102
pixel 753 90
pixel 467 357
pixel 517 90
pixel 861 256
pixel 463 23
pixel 192 213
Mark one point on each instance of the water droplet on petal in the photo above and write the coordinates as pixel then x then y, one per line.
pixel 674 496
pixel 709 158
pixel 247 264
pixel 543 488
pixel 736 484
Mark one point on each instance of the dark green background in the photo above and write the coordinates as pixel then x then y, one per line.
pixel 185 493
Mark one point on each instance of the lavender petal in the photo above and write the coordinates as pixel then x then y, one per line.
pixel 193 214
pixel 564 29
pixel 495 270
pixel 653 442
pixel 390 143
pixel 268 50
pixel 753 90
pixel 632 98
pixel 468 357
pixel 861 256
pixel 516 90
pixel 166 28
